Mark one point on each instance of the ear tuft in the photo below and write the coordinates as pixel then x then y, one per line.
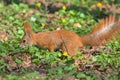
pixel 27 27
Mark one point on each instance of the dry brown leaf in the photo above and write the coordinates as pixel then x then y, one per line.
pixel 3 35
pixel 77 25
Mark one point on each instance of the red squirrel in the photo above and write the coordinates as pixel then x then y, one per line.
pixel 69 41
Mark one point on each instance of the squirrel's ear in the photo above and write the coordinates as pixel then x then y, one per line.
pixel 28 33
pixel 27 27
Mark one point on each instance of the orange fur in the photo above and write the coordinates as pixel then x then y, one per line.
pixel 69 41
pixel 102 32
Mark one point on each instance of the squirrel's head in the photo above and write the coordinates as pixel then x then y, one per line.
pixel 28 38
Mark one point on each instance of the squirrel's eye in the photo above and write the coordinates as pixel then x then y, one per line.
pixel 24 41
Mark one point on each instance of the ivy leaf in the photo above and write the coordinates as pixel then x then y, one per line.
pixel 81 75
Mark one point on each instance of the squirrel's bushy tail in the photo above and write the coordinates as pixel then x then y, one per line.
pixel 102 32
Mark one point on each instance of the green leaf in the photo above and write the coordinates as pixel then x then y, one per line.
pixel 20 31
pixel 33 19
pixel 94 58
pixel 81 75
pixel 18 60
pixel 11 18
pixel 71 20
pixel 1 6
pixel 82 15
pixel 32 74
pixel 36 61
